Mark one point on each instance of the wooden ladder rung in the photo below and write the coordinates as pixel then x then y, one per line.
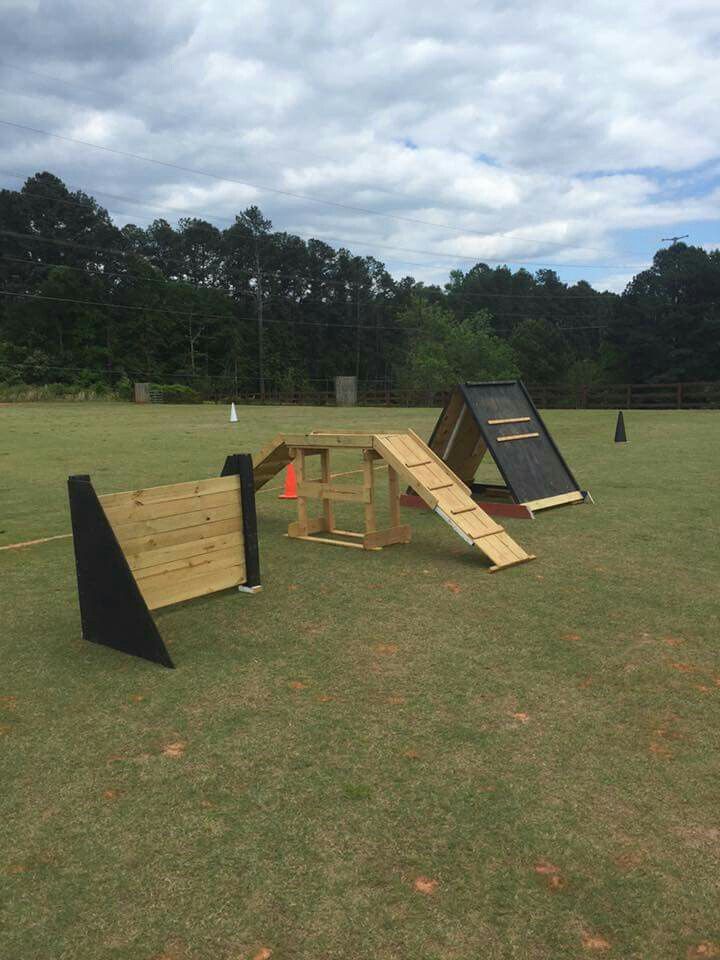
pixel 441 486
pixel 463 510
pixel 420 463
pixel 489 533
pixel 510 420
pixel 517 436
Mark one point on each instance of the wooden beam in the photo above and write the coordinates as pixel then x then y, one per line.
pixel 317 490
pixel 334 543
pixel 384 538
pixel 510 420
pixel 517 436
pixel 369 485
pixel 512 563
pixel 328 512
pixel 330 440
pixel 546 502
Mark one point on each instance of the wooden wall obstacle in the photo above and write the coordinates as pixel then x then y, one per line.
pixel 499 419
pixel 142 550
pixel 409 460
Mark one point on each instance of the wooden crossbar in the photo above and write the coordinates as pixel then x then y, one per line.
pixel 517 436
pixel 510 420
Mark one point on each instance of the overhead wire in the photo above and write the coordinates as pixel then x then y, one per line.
pixel 305 197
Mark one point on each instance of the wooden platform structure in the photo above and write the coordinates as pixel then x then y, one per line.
pixel 499 418
pixel 409 460
pixel 146 549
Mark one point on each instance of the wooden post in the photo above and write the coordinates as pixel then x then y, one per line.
pixel 394 490
pixel 679 396
pixel 326 476
pixel 369 484
pixel 301 502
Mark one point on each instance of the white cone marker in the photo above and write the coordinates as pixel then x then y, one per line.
pixel 233 414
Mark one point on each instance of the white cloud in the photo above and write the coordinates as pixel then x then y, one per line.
pixel 540 133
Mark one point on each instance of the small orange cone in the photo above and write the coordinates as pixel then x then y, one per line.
pixel 290 492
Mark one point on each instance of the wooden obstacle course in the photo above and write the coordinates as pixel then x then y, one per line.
pixel 409 460
pixel 300 448
pixel 146 549
pixel 499 418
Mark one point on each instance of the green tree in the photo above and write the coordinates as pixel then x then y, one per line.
pixel 444 351
pixel 541 350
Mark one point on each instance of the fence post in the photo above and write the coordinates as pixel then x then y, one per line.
pixel 628 400
pixel 679 396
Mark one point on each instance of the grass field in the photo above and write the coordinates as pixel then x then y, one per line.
pixel 381 756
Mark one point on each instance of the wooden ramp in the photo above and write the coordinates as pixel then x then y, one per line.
pixel 273 458
pixel 448 496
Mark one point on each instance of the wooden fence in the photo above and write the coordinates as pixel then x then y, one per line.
pixel 627 396
pixel 620 396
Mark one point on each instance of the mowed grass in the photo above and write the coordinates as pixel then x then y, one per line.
pixel 386 755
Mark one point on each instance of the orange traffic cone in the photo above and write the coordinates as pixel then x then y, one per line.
pixel 290 492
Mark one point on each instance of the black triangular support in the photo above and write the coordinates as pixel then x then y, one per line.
pixel 112 609
pixel 620 435
pixel 240 464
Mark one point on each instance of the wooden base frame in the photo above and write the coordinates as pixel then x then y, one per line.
pixel 328 492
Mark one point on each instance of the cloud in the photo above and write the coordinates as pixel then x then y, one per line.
pixel 515 131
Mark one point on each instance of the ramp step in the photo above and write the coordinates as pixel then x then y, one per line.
pixel 517 436
pixel 420 463
pixel 463 510
pixel 441 486
pixel 490 533
pixel 510 420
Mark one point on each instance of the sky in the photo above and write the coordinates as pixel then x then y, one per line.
pixel 543 133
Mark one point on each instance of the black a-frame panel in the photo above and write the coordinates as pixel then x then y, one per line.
pixel 112 609
pixel 532 468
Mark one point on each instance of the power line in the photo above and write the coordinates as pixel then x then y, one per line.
pixel 202 316
pixel 308 198
pixel 375 244
pixel 346 285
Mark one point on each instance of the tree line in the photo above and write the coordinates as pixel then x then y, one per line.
pixel 252 309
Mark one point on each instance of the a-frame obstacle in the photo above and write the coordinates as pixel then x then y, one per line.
pixel 409 461
pixel 499 418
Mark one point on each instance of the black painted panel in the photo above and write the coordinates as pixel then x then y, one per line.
pixel 532 468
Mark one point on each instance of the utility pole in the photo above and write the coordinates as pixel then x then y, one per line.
pixel 674 239
pixel 259 298
pixel 357 337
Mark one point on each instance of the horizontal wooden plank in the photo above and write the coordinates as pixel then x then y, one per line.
pixel 385 538
pixel 139 509
pixel 172 491
pixel 171 538
pixel 190 587
pixel 329 441
pixel 175 570
pixel 181 551
pixel 574 497
pixel 512 563
pixel 179 521
pixel 315 490
pixel 510 420
pixel 334 543
pixel 517 436
pixel 313 525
